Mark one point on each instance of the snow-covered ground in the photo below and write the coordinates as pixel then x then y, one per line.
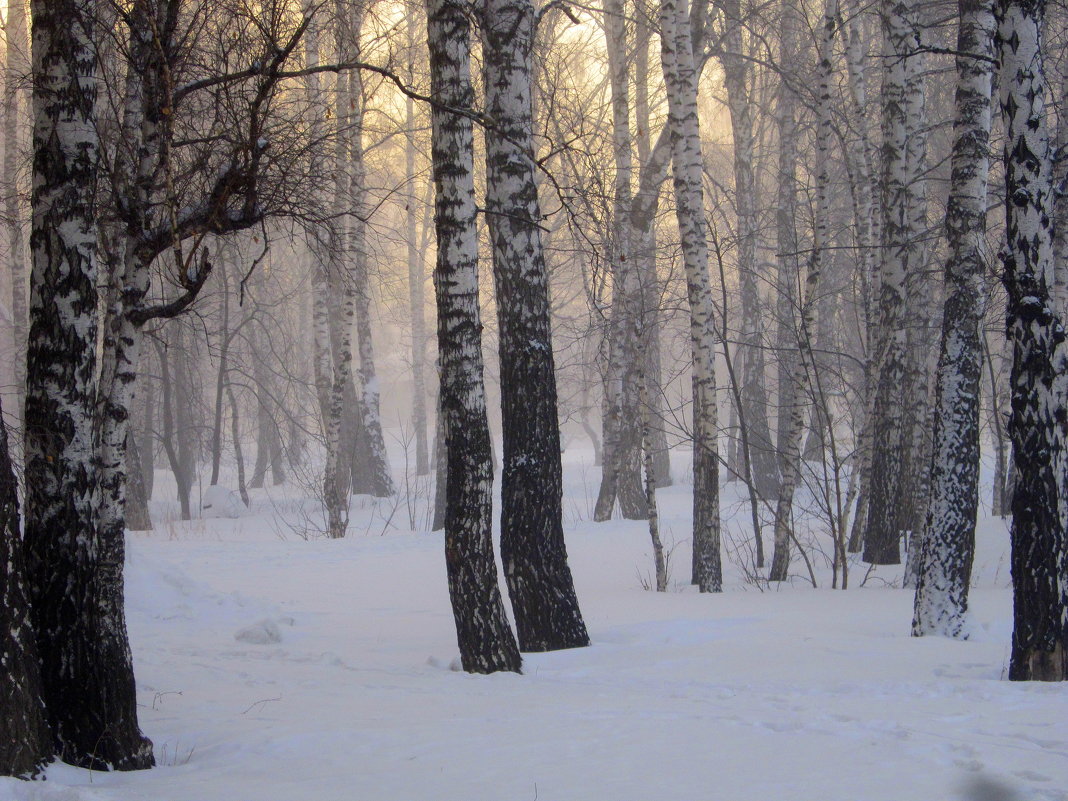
pixel 272 667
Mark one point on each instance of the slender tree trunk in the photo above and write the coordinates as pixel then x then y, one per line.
pixel 380 481
pixel 949 540
pixel 680 77
pixel 805 364
pixel 268 436
pixel 659 558
pixel 621 421
pixel 754 413
pixel 789 263
pixel 485 639
pixel 416 274
pixel 221 382
pixel 645 251
pixel 441 470
pixel 904 224
pixel 14 73
pixel 1039 368
pixel 235 433
pixel 862 167
pixel 75 574
pixel 1001 500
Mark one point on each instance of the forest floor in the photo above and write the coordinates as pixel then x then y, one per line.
pixel 271 667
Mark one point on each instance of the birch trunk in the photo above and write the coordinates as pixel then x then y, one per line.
pixel 680 78
pixel 754 412
pixel 945 567
pixel 485 639
pixel 904 223
pixel 789 264
pixel 416 279
pixel 75 568
pixel 645 252
pixel 377 463
pixel 805 364
pixel 542 592
pixel 1039 368
pixel 861 161
pixel 621 471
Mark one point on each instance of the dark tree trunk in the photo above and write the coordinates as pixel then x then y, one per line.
pixel 539 580
pixel 26 743
pixel 441 471
pixel 485 639
pixel 75 576
pixel 137 516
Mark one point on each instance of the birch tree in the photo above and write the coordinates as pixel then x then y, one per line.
pixel 903 257
pixel 1039 381
pixel 804 365
pixel 539 580
pixel 680 78
pixel 621 419
pixel 75 576
pixel 485 639
pixel 949 540
pixel 759 453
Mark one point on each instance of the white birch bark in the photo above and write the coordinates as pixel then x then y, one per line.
pixel 944 572
pixel 903 258
pixel 484 637
pixel 621 469
pixel 378 477
pixel 539 580
pixel 1039 382
pixel 680 78
pixel 75 574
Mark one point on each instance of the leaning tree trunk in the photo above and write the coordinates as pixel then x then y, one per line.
pixel 1039 426
pixel 485 639
pixel 903 227
pixel 540 586
pixel 75 578
pixel 26 744
pixel 680 77
pixel 949 540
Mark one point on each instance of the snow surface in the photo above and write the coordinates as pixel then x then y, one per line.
pixel 276 668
